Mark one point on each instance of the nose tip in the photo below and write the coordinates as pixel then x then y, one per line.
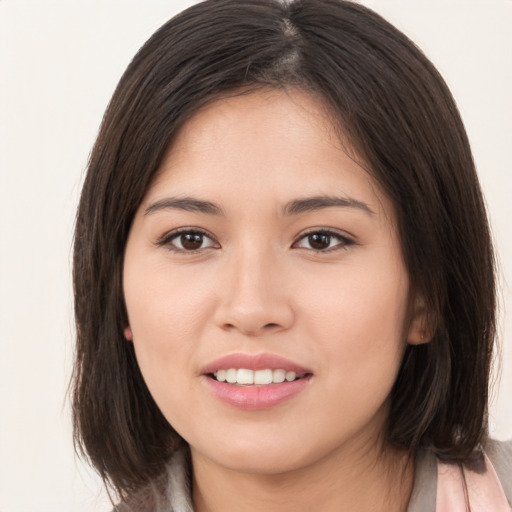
pixel 254 316
pixel 253 302
pixel 252 322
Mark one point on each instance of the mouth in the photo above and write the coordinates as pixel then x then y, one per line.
pixel 263 377
pixel 255 381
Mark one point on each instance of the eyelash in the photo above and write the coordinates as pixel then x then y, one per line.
pixel 167 240
pixel 344 241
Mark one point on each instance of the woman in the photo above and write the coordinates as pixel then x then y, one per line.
pixel 284 277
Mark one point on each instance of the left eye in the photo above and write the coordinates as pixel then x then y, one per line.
pixel 322 241
pixel 189 241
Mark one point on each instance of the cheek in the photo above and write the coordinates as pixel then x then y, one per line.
pixel 167 311
pixel 164 305
pixel 357 298
pixel 357 318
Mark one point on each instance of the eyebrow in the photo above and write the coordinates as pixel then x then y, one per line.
pixel 294 207
pixel 187 204
pixel 309 204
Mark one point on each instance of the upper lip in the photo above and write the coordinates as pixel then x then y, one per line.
pixel 254 362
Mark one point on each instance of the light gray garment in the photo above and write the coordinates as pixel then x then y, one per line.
pixel 500 454
pixel 423 498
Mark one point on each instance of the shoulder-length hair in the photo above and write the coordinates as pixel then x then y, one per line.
pixel 394 108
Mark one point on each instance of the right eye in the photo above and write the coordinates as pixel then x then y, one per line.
pixel 189 240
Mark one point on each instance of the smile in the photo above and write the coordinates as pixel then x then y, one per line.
pixel 255 381
pixel 246 377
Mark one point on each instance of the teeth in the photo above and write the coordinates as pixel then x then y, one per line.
pixel 278 376
pixel 290 376
pixel 244 376
pixel 231 376
pixel 247 377
pixel 263 377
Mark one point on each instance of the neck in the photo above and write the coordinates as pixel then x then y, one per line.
pixel 371 480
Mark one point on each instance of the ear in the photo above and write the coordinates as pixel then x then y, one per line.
pixel 419 331
pixel 128 334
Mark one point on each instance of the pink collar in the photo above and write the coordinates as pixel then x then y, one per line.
pixel 461 490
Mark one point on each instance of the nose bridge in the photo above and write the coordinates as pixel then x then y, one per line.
pixel 254 297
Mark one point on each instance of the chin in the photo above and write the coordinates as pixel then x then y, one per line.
pixel 261 456
pixel 259 464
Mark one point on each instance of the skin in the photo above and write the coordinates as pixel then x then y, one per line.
pixel 256 284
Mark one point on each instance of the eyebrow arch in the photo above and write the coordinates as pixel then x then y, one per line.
pixel 309 204
pixel 294 207
pixel 188 204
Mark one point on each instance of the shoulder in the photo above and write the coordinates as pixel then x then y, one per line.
pixel 170 492
pixel 500 455
pixel 423 495
pixel 425 491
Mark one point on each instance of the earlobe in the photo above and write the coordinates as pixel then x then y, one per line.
pixel 419 330
pixel 418 338
pixel 128 334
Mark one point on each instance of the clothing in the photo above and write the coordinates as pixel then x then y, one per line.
pixel 439 487
pixel 432 479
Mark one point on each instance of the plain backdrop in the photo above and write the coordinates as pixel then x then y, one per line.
pixel 59 64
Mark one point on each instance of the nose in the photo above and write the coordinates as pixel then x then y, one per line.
pixel 254 299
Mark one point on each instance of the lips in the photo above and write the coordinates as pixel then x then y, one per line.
pixel 254 362
pixel 255 381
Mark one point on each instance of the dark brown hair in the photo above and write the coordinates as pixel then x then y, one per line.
pixel 395 110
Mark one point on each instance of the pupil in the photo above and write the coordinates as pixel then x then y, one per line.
pixel 192 241
pixel 319 241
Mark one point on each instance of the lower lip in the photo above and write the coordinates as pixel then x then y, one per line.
pixel 256 397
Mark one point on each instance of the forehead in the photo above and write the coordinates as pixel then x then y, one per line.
pixel 276 144
pixel 255 111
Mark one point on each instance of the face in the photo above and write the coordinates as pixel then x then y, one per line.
pixel 265 287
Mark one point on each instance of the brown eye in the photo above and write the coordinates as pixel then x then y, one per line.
pixel 319 241
pixel 189 241
pixel 323 241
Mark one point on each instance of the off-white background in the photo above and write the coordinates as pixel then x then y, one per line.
pixel 59 64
